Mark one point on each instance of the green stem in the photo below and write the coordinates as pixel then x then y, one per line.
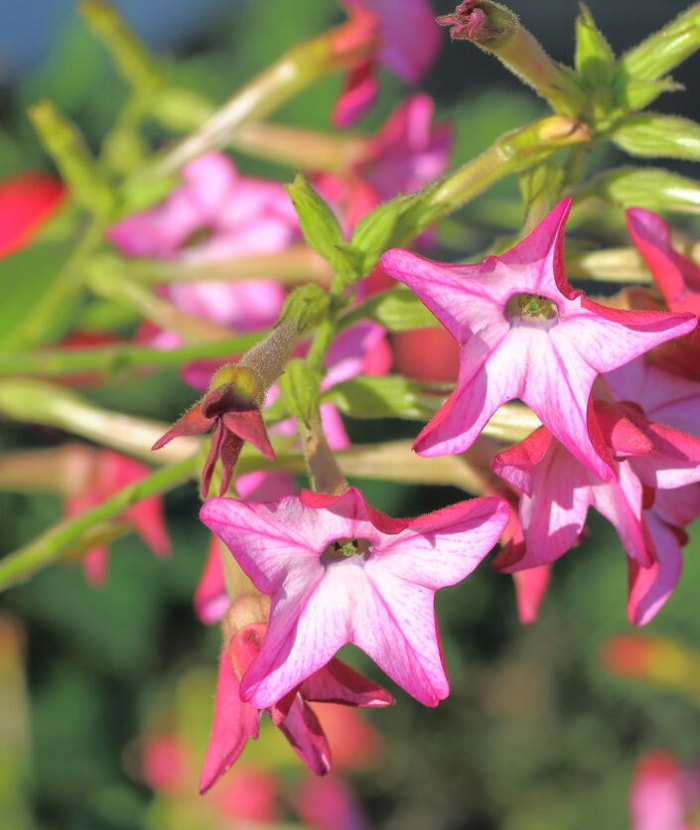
pixel 296 264
pixel 64 293
pixel 111 360
pixel 39 402
pixel 511 153
pixel 47 548
pixel 300 67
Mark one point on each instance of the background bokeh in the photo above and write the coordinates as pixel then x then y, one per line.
pixel 536 734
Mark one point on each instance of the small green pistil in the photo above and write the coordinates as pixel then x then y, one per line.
pixel 531 310
pixel 342 549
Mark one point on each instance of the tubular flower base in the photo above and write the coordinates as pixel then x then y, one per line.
pixel 339 572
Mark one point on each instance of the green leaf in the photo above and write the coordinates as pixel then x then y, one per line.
pixel 636 94
pixel 662 51
pixel 593 58
pixel 650 135
pixel 373 233
pixel 24 278
pixel 397 310
pixel 652 188
pixel 391 396
pixel 300 385
pixel 318 223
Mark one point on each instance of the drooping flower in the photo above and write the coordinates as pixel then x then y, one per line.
pixel 678 278
pixel 27 201
pixel 650 461
pixel 409 42
pixel 525 333
pixel 236 721
pixel 231 408
pixel 100 474
pixel 340 572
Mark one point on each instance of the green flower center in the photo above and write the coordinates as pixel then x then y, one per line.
pixel 531 310
pixel 342 549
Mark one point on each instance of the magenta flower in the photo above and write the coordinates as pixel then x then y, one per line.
pixel 677 277
pixel 664 793
pixel 408 152
pixel 557 490
pixel 410 40
pixel 338 572
pixel 236 721
pixel 102 474
pixel 525 333
pixel 213 216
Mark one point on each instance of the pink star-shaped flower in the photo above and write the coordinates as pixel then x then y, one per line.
pixel 338 572
pixel 525 333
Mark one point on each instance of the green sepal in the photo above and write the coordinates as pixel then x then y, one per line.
pixel 652 188
pixel 300 387
pixel 307 306
pixel 662 51
pixel 636 94
pixel 135 64
pixel 391 396
pixel 650 135
pixel 318 223
pixel 397 309
pixel 540 187
pixel 65 143
pixel 593 58
pixel 346 264
pixel 373 233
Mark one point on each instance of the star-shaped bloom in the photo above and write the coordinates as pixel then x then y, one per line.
pixel 339 572
pixel 525 333
pixel 236 721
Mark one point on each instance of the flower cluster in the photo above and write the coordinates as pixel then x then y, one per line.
pixel 289 306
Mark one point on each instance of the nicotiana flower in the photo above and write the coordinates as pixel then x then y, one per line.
pixel 408 152
pixel 409 42
pixel 231 408
pixel 665 794
pixel 525 333
pixel 236 721
pixel 99 474
pixel 678 279
pixel 338 572
pixel 650 461
pixel 215 215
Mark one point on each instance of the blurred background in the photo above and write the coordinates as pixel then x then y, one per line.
pixel 106 693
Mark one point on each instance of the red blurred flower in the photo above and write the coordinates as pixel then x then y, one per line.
pixel 27 201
